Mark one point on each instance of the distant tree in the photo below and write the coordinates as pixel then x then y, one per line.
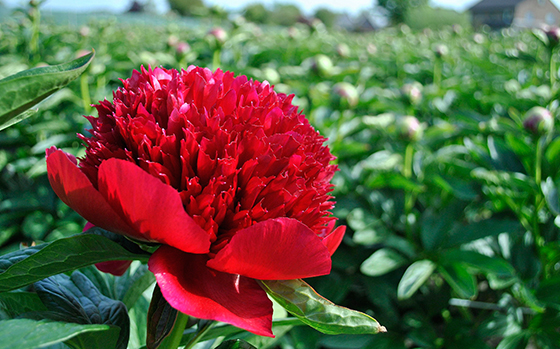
pixel 187 7
pixel 436 18
pixel 326 16
pixel 396 10
pixel 256 13
pixel 285 14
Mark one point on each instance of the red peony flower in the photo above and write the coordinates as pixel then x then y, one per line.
pixel 224 172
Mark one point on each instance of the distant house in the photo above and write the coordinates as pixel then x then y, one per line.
pixel 518 13
pixel 365 22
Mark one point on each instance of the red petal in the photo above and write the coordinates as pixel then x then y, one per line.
pixel 192 288
pixel 333 240
pixel 275 249
pixel 116 268
pixel 153 208
pixel 75 190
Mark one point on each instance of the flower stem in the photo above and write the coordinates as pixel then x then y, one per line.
pixel 173 340
pixel 437 73
pixel 199 335
pixel 84 87
pixel 408 195
pixel 552 70
pixel 216 59
pixel 538 195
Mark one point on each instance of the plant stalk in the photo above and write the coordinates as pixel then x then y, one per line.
pixel 408 195
pixel 552 70
pixel 199 335
pixel 216 59
pixel 84 87
pixel 437 72
pixel 173 340
pixel 538 196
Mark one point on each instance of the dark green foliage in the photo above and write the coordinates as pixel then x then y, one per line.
pixel 436 18
pixel 326 16
pixel 452 240
pixel 187 7
pixel 285 14
pixel 256 13
pixel 398 10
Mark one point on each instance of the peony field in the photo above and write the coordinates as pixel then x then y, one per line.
pixel 217 180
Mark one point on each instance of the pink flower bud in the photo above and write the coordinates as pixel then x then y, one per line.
pixel 538 121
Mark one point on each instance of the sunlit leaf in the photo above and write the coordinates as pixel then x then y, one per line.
pixel 382 261
pixel 298 298
pixel 30 334
pixel 414 277
pixel 23 90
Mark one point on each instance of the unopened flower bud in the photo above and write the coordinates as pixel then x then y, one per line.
pixel 409 128
pixel 553 35
pixel 457 29
pixel 219 34
pixel 182 48
pixel 322 65
pixel 84 31
pixel 343 50
pixel 479 38
pixel 412 92
pixel 441 50
pixel 172 40
pixel 346 92
pixel 538 121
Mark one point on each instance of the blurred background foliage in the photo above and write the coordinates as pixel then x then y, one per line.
pixel 450 196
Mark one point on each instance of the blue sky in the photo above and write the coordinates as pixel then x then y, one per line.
pixel 308 6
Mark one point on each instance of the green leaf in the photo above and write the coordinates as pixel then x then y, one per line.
pixel 235 344
pixel 436 226
pixel 75 299
pixel 481 229
pixel 16 303
pixel 23 267
pixel 382 160
pixel 29 334
pixel 23 90
pixel 382 261
pixel 478 261
pixel 298 298
pixel 131 285
pixel 161 319
pixel 514 341
pixel 460 280
pixel 550 192
pixel 414 277
pixel 549 292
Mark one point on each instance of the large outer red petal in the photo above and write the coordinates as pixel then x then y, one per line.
pixel 194 289
pixel 117 268
pixel 333 240
pixel 75 190
pixel 275 249
pixel 152 207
